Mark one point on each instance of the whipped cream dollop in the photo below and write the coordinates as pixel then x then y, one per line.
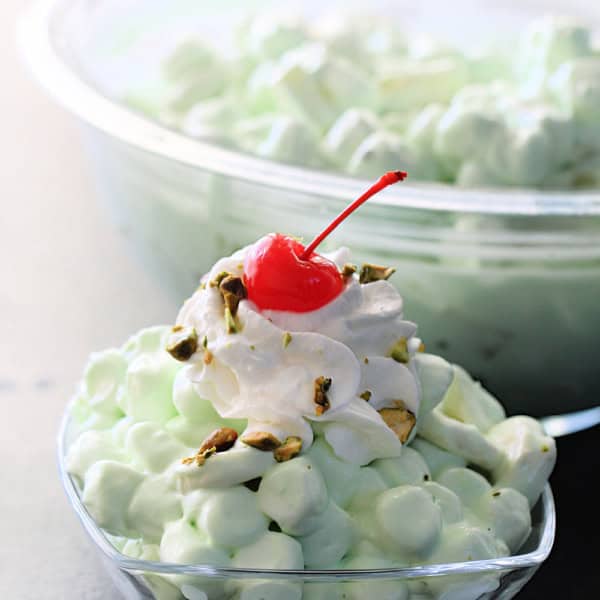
pixel 266 370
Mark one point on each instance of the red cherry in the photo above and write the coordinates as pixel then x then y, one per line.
pixel 277 278
pixel 281 274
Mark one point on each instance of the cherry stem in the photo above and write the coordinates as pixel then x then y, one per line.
pixel 388 179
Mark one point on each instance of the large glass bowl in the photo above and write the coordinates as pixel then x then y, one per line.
pixel 505 282
pixel 493 579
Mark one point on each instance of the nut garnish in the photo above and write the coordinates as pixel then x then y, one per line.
pixel 421 347
pixel 219 440
pixel 399 351
pixel 289 449
pixel 200 458
pixel 322 385
pixel 261 440
pixel 369 273
pixel 366 395
pixel 348 270
pixel 216 282
pixel 287 338
pixel 207 357
pixel 233 290
pixel 400 420
pixel 230 324
pixel 182 342
pixel 222 439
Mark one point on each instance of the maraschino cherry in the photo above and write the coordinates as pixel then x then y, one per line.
pixel 281 274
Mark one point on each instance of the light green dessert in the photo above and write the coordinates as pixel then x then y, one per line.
pixel 360 96
pixel 327 439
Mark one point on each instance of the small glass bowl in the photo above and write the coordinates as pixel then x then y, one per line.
pixel 504 281
pixel 494 579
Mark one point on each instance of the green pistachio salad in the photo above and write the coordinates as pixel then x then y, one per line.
pixel 249 435
pixel 360 95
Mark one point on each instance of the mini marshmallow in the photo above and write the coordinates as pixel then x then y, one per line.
pixel 507 510
pixel 448 502
pixel 408 468
pixel 467 401
pixel 90 447
pixel 148 394
pixel 381 152
pixel 189 404
pixel 104 375
pixel 293 494
pixel 231 517
pixel 462 439
pixel 152 448
pixel 184 544
pixel 463 542
pixel 328 544
pixel 436 375
pixel 529 456
pixel 467 484
pixel 108 489
pixel 153 504
pixel 348 132
pixel 271 551
pixel 437 459
pixel 341 477
pixel 410 519
pixel 404 84
pixel 196 72
pixel 291 140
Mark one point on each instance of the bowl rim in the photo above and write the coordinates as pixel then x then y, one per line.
pixel 36 37
pixel 532 559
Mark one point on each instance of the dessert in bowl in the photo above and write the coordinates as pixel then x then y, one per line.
pixel 489 274
pixel 289 437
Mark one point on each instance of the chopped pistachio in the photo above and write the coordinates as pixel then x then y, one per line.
pixel 369 273
pixel 205 342
pixel 287 338
pixel 322 385
pixel 289 449
pixel 200 457
pixel 545 448
pixel 216 282
pixel 230 323
pixel 202 285
pixel 233 290
pixel 221 439
pixel 366 361
pixel 366 395
pixel 496 494
pixel 207 357
pixel 182 343
pixel 421 347
pixel 252 347
pixel 400 420
pixel 399 351
pixel 261 440
pixel 348 270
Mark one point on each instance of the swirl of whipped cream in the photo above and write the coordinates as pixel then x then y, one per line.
pixel 266 371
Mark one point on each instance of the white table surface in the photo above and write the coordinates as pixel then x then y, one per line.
pixel 68 286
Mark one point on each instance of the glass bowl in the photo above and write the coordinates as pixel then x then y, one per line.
pixel 493 579
pixel 502 281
